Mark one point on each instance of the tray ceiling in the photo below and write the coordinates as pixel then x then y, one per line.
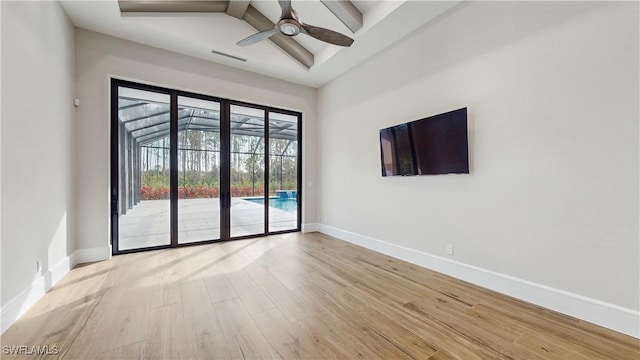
pixel 212 35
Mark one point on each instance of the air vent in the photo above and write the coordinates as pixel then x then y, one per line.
pixel 228 55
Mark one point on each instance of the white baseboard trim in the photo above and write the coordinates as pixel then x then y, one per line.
pixel 21 303
pixel 82 256
pixel 41 283
pixel 307 228
pixel 16 307
pixel 608 315
pixel 57 272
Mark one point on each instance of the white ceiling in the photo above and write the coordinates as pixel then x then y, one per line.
pixel 384 23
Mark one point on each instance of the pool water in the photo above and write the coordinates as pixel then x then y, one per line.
pixel 290 205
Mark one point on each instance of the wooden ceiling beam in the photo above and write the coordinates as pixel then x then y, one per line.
pixel 237 8
pixel 175 6
pixel 346 12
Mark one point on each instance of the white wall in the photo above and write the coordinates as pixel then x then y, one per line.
pixel 37 158
pixel 100 56
pixel 552 198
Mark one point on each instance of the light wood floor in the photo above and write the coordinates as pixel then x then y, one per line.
pixel 294 296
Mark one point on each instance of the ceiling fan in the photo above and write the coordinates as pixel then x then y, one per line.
pixel 290 25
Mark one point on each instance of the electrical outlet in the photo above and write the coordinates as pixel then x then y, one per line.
pixel 38 266
pixel 449 249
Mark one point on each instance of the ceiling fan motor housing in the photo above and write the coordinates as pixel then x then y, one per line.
pixel 289 27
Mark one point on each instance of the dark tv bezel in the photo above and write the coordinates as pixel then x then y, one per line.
pixel 461 167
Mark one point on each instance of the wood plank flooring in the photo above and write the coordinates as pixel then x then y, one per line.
pixel 293 296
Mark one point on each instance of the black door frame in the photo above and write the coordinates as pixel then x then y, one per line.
pixel 225 163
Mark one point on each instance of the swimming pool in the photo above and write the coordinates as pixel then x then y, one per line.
pixel 285 204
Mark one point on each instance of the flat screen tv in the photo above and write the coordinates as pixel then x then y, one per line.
pixel 429 146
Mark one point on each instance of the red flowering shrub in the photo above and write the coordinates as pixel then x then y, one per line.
pixel 151 193
pixel 198 192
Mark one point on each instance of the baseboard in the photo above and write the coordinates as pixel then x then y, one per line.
pixel 21 303
pixel 16 307
pixel 307 228
pixel 57 272
pixel 608 315
pixel 82 256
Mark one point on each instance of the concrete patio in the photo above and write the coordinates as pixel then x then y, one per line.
pixel 147 224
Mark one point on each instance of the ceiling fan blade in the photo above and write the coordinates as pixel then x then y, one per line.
pixel 285 5
pixel 257 37
pixel 327 35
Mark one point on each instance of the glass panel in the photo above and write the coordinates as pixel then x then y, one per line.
pixel 283 172
pixel 144 213
pixel 247 171
pixel 198 170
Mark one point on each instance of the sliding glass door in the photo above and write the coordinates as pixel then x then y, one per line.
pixel 247 171
pixel 284 169
pixel 198 170
pixel 142 193
pixel 188 168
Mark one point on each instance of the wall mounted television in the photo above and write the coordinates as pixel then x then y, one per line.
pixel 430 146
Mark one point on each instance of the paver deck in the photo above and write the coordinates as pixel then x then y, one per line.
pixel 147 224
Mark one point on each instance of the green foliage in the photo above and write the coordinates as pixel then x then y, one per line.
pixel 199 166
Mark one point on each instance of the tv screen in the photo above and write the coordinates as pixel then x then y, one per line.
pixel 429 146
